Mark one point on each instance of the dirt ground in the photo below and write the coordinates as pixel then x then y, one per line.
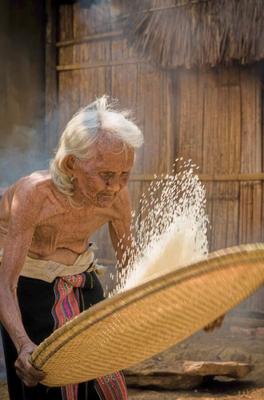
pixel 205 394
pixel 209 347
pixel 226 391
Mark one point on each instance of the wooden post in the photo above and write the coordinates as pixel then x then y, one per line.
pixel 51 101
pixel 4 18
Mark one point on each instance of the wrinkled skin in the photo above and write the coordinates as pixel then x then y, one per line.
pixel 97 182
pixel 44 224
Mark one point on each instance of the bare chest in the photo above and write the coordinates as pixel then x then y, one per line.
pixel 67 230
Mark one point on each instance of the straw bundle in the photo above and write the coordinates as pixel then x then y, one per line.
pixel 191 33
pixel 146 320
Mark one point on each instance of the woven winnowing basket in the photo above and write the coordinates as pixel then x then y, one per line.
pixel 146 320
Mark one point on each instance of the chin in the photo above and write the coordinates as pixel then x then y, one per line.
pixel 104 203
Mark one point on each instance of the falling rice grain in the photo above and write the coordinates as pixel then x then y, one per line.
pixel 170 231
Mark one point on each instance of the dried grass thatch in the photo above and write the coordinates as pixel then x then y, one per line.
pixel 191 33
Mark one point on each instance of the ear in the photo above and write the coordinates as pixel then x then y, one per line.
pixel 69 164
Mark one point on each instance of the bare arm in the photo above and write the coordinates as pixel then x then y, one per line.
pixel 14 255
pixel 120 227
pixel 18 240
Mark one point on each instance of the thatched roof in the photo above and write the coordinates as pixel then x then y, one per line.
pixel 191 33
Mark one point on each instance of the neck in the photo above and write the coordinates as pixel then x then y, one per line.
pixel 79 201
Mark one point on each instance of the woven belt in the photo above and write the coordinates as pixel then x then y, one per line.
pixel 47 270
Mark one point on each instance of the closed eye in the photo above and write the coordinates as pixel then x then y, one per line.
pixel 107 175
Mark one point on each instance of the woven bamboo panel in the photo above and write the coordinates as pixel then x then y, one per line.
pixel 188 114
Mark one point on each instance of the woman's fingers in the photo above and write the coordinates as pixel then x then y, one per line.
pixel 29 375
pixel 215 324
pixel 25 370
pixel 27 379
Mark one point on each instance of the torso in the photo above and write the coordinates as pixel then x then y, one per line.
pixel 62 231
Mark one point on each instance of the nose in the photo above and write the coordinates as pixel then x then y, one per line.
pixel 114 184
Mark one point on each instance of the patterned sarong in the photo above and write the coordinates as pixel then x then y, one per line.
pixel 67 306
pixel 44 307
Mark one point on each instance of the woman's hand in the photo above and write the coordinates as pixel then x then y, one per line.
pixel 24 369
pixel 215 324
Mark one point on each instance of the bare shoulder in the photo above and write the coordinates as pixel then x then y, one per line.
pixel 31 187
pixel 27 197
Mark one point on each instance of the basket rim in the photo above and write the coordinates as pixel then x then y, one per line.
pixel 220 259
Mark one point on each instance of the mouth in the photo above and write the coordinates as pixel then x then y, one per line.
pixel 107 195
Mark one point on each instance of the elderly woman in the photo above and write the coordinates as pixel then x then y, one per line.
pixel 47 273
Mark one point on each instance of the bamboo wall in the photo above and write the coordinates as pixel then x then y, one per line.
pixel 219 126
pixel 212 116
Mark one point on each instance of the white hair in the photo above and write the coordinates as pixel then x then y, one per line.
pixel 83 131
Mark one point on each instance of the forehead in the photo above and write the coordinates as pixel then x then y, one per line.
pixel 113 155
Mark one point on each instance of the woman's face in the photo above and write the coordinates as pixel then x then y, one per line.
pixel 101 178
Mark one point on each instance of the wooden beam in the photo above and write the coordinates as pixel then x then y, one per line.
pixel 90 38
pixel 209 178
pixel 74 67
pixel 232 177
